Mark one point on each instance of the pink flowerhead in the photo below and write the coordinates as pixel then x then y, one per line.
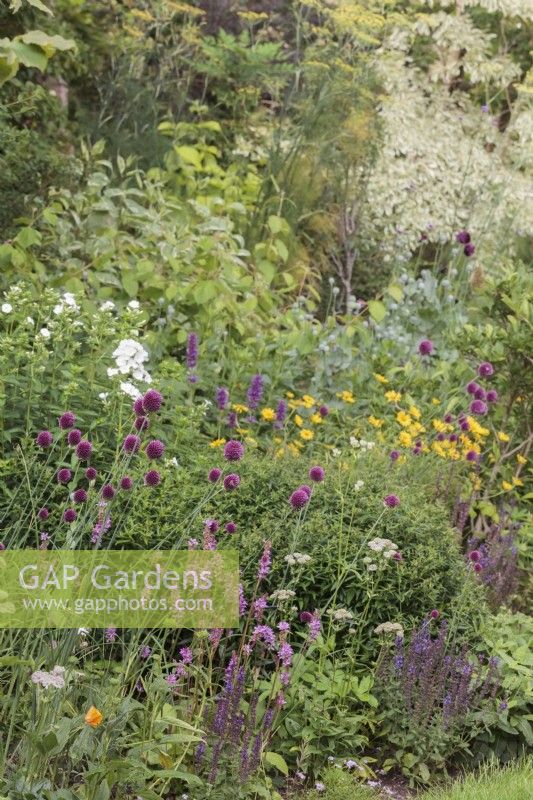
pixel 84 450
pixel 478 407
pixel 485 369
pixel 74 437
pixel 477 567
pixel 63 475
pixel 91 473
pixel 214 475
pixel 43 513
pixel 391 501
pixel 155 449
pixel 66 420
pixel 317 474
pixel 233 450
pixel 108 491
pixel 231 527
pixel 472 387
pixel 152 401
pixel 299 498
pixel 131 443
pixel 44 439
pixel 141 423
pixel 69 515
pixel 138 407
pixel 231 481
pixel 472 456
pixel 152 478
pixel 126 483
pixel 492 396
pixel 79 496
pixel 435 614
pixel 323 411
pixel 425 348
pixel 474 556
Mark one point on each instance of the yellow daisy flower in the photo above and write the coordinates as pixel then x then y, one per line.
pixel 268 414
pixel 392 396
pixel 239 408
pixel 380 378
pixel 375 421
pixel 298 420
pixel 217 443
pixel 521 460
pixel 403 418
pixel 507 486
pixel 306 434
pixel 503 437
pixel 316 419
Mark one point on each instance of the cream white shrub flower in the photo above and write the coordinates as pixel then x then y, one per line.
pixel 130 357
pixel 7 308
pixel 390 627
pixel 54 678
pixel 66 303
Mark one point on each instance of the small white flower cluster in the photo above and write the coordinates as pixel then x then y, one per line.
pixel 340 614
pixel 383 548
pixel 66 303
pixel 297 558
pixel 129 357
pixel 361 444
pixel 358 485
pixel 282 594
pixel 390 627
pixel 108 306
pixel 54 678
pixel 7 308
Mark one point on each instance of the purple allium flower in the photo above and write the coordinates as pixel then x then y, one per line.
pixel 231 527
pixel 469 250
pixel 84 450
pixel 391 501
pixel 192 350
pixel 145 652
pixel 152 401
pixel 478 567
pixel 222 398
pixel 214 475
pixel 152 478
pixel 317 474
pixel 465 426
pixel 126 483
pixel 440 437
pixel 69 515
pixel 108 491
pixel 265 561
pixel 43 513
pixel 212 525
pixel 474 556
pixel 155 449
pixel 453 437
pixel 63 475
pixel 44 439
pixel 448 419
pixel 397 556
pixel 492 396
pixel 472 387
pixel 141 423
pixel 283 626
pixel 90 473
pixel 110 635
pixel 79 496
pixel 131 443
pixel 480 394
pixel 299 498
pixel 233 450
pixel 306 617
pixel 478 407
pixel 323 411
pixel 74 437
pixel 138 407
pixel 2 546
pixel 435 614
pixel 485 369
pixel 66 420
pixel 463 237
pixel 425 348
pixel 394 455
pixel 307 489
pixel 255 391
pixel 231 481
pixel 472 456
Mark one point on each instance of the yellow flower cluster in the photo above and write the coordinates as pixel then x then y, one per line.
pixel 392 396
pixel 217 443
pixel 346 396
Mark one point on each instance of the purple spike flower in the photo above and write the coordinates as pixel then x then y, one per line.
pixel 255 391
pixel 192 350
pixel 222 398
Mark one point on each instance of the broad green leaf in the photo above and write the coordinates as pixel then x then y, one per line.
pixel 395 291
pixel 190 155
pixel 277 761
pixel 377 310
pixel 49 43
pixel 205 291
pixel 29 54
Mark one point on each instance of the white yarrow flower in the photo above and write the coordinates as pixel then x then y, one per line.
pixel 7 308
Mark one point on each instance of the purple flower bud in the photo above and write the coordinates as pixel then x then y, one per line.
pixel 306 617
pixel 323 411
pixel 394 455
pixel 69 515
pixel 79 496
pixel 43 513
pixel 317 474
pixel 233 450
pixel 425 348
pixel 472 387
pixel 474 556
pixel 231 527
pixel 44 439
pixel 152 478
pixel 255 391
pixel 141 423
pixel 485 369
pixel 108 491
pixel 472 456
pixel 152 401
pixel 231 481
pixel 84 450
pixel 463 237
pixel 74 437
pixel 391 501
pixel 90 473
pixel 138 407
pixel 435 614
pixel 192 350
pixel 492 396
pixel 214 475
pixel 478 407
pixel 126 483
pixel 469 250
pixel 155 449
pixel 66 420
pixel 480 394
pixel 63 475
pixel 222 398
pixel 131 443
pixel 299 498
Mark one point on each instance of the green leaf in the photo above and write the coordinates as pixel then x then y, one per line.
pixel 205 291
pixel 29 54
pixel 190 155
pixel 275 223
pixel 395 291
pixel 48 43
pixel 424 772
pixel 277 761
pixel 28 236
pixel 130 284
pixel 377 310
